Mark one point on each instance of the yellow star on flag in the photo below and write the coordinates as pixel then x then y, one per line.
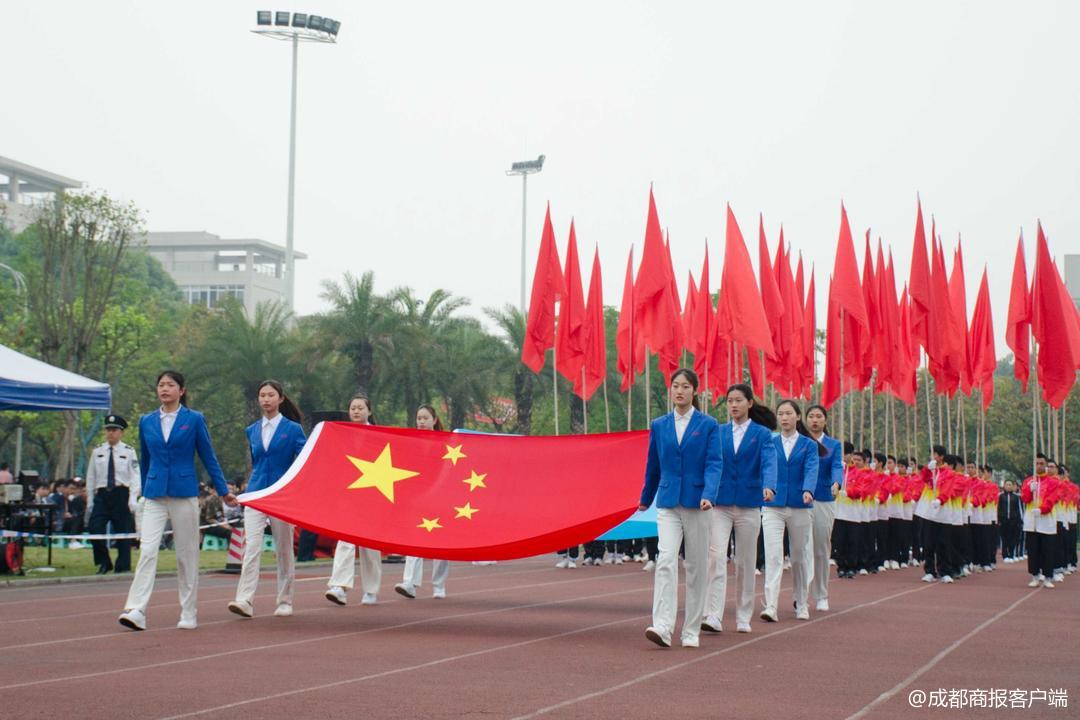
pixel 429 525
pixel 380 474
pixel 474 481
pixel 453 454
pixel 465 512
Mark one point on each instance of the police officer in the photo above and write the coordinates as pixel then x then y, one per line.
pixel 112 491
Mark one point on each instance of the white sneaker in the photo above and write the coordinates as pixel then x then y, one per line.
pixel 405 589
pixel 283 610
pixel 863 572
pixel 242 608
pixel 742 627
pixel 832 562
pixel 571 564
pixel 618 560
pixel 928 578
pixel 186 623
pixel 689 641
pixel 1049 585
pixel 134 619
pixel 658 636
pixel 1058 577
pixel 881 568
pixel 802 613
pixel 711 623
pixel 586 562
pixel 787 563
pixel 369 599
pixel 822 605
pixel 608 559
pixel 439 593
pixel 756 572
pixel 336 595
pixel 648 566
pixel 947 579
pixel 563 563
pixel 769 615
pixel 1035 582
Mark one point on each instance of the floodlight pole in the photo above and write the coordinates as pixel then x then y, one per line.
pixel 525 169
pixel 290 280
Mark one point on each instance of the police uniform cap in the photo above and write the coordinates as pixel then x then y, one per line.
pixel 115 421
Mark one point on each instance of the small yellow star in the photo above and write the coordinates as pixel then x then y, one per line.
pixel 465 512
pixel 380 474
pixel 453 454
pixel 475 481
pixel 429 525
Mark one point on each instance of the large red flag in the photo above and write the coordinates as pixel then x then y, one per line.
pixel 792 324
pixel 981 350
pixel 629 345
pixel 888 321
pixel 457 496
pixel 906 378
pixel 833 379
pixel 809 338
pixel 872 353
pixel 697 339
pixel 547 288
pixel 742 319
pixel 919 285
pixel 595 341
pixel 845 291
pixel 958 298
pixel 1054 325
pixel 655 314
pixel 773 304
pixel 570 345
pixel 689 309
pixel 1018 323
pixel 944 332
pixel 669 356
pixel 898 364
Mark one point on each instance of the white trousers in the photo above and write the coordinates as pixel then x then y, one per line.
pixel 822 513
pixel 184 515
pixel 254 529
pixel 746 522
pixel 345 568
pixel 673 525
pixel 798 523
pixel 414 572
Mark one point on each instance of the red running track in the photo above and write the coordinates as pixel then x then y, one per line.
pixel 525 640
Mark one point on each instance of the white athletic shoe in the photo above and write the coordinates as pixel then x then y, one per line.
pixel 1058 577
pixel 947 579
pixel 405 589
pixel 648 566
pixel 336 595
pixel 187 623
pixel 242 608
pixel 769 615
pixel 863 572
pixel 802 613
pixel 928 578
pixel 563 563
pixel 369 599
pixel 618 560
pixel 587 562
pixel 822 605
pixel 439 593
pixel 689 641
pixel 832 562
pixel 134 619
pixel 571 564
pixel 283 610
pixel 609 559
pixel 882 568
pixel 787 563
pixel 658 636
pixel 756 572
pixel 711 623
pixel 742 627
pixel 1049 585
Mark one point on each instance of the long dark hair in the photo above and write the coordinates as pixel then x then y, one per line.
pixel 822 451
pixel 287 408
pixel 692 378
pixel 367 401
pixel 438 423
pixel 177 378
pixel 759 413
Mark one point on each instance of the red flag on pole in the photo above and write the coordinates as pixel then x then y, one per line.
pixel 570 355
pixel 871 354
pixel 845 291
pixel 699 336
pixel 919 285
pixel 668 356
pixel 906 376
pixel 1054 325
pixel 629 345
pixel 1018 323
pixel 834 352
pixel 958 298
pixel 809 338
pixel 792 321
pixel 742 319
pixel 981 350
pixel 547 288
pixel 689 310
pixel 772 303
pixel 654 309
pixel 943 329
pixel 593 334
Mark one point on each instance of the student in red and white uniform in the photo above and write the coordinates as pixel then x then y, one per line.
pixel 1040 528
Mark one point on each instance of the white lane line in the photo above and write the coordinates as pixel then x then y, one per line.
pixel 708 656
pixel 889 694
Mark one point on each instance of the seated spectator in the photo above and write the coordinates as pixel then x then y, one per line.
pixel 211 514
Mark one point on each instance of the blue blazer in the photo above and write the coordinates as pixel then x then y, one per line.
pixel 830 470
pixel 267 466
pixel 168 468
pixel 796 474
pixel 675 473
pixel 747 472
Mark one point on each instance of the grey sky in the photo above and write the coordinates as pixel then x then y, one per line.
pixel 407 125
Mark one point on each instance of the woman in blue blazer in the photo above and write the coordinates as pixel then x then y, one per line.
pixel 274 440
pixel 789 509
pixel 830 479
pixel 748 479
pixel 684 457
pixel 169 440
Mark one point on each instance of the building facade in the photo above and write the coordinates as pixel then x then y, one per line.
pixel 23 188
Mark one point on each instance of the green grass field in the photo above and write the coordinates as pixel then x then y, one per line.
pixel 75 563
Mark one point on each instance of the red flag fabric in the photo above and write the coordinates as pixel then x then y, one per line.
pixel 981 349
pixel 547 288
pixel 629 345
pixel 919 285
pixel 689 310
pixel 886 358
pixel 1054 325
pixel 1018 323
pixel 845 291
pixel 772 303
pixel 595 342
pixel 457 496
pixel 697 340
pixel 742 319
pixel 958 297
pixel 669 356
pixel 809 339
pixel 654 310
pixel 944 332
pixel 832 382
pixel 570 345
pixel 871 355
pixel 792 322
pixel 906 378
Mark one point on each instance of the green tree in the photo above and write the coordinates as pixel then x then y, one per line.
pixel 358 325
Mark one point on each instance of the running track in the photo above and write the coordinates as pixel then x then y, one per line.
pixel 524 640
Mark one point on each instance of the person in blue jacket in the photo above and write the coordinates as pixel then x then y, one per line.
pixel 735 497
pixel 274 440
pixel 796 479
pixel 684 458
pixel 169 440
pixel 830 480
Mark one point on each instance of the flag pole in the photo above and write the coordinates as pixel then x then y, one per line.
pixel 948 423
pixel 647 399
pixel 607 410
pixel 555 367
pixel 843 436
pixel 873 445
pixel 929 406
pixel 630 392
pixel 584 404
pixel 1034 403
pixel 962 421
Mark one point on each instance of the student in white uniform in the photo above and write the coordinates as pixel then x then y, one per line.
pixel 426 419
pixel 344 571
pixel 274 440
pixel 169 439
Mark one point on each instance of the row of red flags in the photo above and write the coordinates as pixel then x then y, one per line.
pixel 873 334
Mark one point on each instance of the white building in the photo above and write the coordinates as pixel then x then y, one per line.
pixel 24 187
pixel 209 268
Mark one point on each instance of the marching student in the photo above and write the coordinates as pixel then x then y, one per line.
pixel 1055 497
pixel 169 440
pixel 684 458
pixel 830 478
pixel 1040 527
pixel 747 479
pixel 112 491
pixel 274 441
pixel 344 569
pixel 426 419
pixel 797 458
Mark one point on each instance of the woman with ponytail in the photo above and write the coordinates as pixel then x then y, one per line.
pixel 747 479
pixel 796 479
pixel 274 441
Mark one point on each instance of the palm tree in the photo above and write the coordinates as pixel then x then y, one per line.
pixel 512 323
pixel 468 365
pixel 359 324
pixel 417 341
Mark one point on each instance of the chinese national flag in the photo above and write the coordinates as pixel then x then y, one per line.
pixel 546 290
pixel 458 496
